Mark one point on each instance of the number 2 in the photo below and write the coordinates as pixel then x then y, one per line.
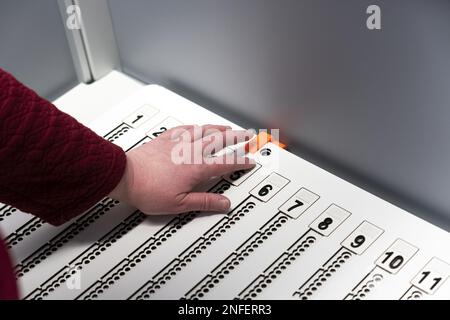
pixel 157 133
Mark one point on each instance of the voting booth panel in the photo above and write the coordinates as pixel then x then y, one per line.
pixel 368 106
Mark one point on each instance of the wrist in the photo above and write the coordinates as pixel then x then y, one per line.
pixel 120 192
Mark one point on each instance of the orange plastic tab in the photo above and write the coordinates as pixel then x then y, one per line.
pixel 261 139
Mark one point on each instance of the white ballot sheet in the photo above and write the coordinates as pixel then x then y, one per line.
pixel 294 231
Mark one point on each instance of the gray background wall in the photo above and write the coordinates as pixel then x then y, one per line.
pixel 33 46
pixel 371 106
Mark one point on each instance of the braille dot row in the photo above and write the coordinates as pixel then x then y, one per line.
pixel 197 250
pixel 415 295
pixel 324 276
pixel 280 267
pixel 89 257
pixel 222 273
pixel 75 229
pixel 223 188
pixel 368 287
pixel 116 135
pixel 140 256
pixel 17 237
pixel 6 212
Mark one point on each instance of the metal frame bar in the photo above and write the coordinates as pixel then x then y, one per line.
pixel 93 44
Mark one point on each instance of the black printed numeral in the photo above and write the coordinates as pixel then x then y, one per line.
pixel 237 174
pixel 264 191
pixel 358 242
pixel 297 204
pixel 158 133
pixel 395 261
pixel 325 223
pixel 435 280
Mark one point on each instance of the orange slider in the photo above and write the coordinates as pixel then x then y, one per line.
pixel 261 139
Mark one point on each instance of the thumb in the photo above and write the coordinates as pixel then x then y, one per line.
pixel 202 201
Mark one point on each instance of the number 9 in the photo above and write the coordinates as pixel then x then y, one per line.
pixel 359 240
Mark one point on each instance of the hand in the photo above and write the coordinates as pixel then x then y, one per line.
pixel 156 182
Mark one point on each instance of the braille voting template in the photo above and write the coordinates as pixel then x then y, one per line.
pixel 294 231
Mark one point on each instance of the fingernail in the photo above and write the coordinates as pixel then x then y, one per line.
pixel 224 204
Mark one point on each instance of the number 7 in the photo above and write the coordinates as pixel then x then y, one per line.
pixel 297 204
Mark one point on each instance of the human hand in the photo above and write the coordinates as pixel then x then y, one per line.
pixel 156 182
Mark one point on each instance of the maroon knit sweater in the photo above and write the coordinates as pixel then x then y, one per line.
pixel 50 165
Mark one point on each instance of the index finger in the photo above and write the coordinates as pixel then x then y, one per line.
pixel 219 166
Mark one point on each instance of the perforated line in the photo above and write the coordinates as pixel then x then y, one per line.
pixel 6 212
pixel 62 278
pixel 118 134
pixel 221 229
pixel 152 244
pixel 113 136
pixel 415 295
pixel 368 287
pixel 222 188
pixel 323 276
pixel 138 256
pixel 78 264
pixel 26 230
pixel 152 287
pixel 282 265
pixel 16 237
pixel 239 258
pixel 74 229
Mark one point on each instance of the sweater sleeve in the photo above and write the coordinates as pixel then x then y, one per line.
pixel 51 165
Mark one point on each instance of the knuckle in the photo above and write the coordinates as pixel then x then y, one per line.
pixel 205 203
